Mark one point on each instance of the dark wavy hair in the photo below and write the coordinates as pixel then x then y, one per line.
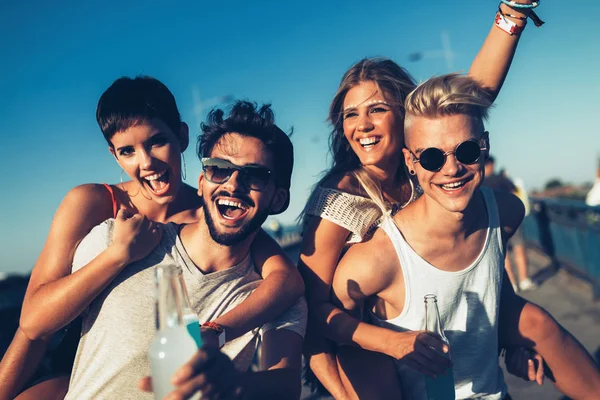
pixel 247 119
pixel 129 101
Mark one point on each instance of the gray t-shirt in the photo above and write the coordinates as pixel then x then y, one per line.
pixel 119 325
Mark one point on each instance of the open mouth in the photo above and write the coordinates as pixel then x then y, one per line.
pixel 232 209
pixel 369 142
pixel 158 183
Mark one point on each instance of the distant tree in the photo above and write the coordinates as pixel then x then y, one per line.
pixel 553 184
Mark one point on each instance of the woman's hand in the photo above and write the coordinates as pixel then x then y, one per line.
pixel 422 351
pixel 135 236
pixel 525 363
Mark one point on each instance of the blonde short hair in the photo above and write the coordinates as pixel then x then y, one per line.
pixel 446 95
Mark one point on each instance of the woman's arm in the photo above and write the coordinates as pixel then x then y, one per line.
pixel 492 63
pixel 55 296
pixel 281 287
pixel 19 363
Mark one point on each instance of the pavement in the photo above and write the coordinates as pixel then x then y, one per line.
pixel 569 300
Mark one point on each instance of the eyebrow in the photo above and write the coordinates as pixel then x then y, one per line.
pixel 153 136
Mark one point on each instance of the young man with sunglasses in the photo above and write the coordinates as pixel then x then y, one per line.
pixel 451 242
pixel 247 162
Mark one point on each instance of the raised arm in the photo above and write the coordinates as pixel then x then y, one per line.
pixel 492 63
pixel 281 287
pixel 55 296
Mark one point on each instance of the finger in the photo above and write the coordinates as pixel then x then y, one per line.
pixel 434 341
pixel 530 370
pixel 439 362
pixel 145 384
pixel 539 375
pixel 196 365
pixel 124 214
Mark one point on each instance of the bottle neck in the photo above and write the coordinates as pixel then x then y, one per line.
pixel 433 322
pixel 169 298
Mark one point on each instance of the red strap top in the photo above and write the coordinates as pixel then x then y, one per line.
pixel 113 199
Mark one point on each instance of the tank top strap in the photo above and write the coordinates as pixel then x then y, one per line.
pixel 493 215
pixel 403 249
pixel 112 198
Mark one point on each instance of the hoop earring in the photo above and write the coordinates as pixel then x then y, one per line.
pixel 412 172
pixel 184 170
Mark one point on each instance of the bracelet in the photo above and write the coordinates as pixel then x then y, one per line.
pixel 507 25
pixel 505 14
pixel 212 325
pixel 536 20
pixel 514 4
pixel 220 331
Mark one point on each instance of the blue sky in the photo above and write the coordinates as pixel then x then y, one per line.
pixel 57 61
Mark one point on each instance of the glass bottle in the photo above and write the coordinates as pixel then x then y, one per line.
pixel 173 345
pixel 190 318
pixel 442 387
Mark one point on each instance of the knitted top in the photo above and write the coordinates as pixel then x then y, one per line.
pixel 358 214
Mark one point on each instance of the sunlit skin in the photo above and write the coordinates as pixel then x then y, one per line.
pixel 371 118
pixel 240 150
pixel 148 150
pixel 445 133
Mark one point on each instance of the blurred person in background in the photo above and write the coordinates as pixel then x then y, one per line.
pixel 516 245
pixel 593 196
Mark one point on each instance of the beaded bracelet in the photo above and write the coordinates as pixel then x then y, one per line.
pixel 522 18
pixel 514 4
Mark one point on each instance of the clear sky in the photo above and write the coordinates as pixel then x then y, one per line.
pixel 56 60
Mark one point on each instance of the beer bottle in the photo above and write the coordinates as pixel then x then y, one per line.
pixel 442 387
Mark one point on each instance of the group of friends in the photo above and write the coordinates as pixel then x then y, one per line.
pixel 400 214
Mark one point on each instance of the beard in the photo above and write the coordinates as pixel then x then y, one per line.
pixel 230 239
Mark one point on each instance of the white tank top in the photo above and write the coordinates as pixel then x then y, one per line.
pixel 468 303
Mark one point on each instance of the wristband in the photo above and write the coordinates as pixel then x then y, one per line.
pixel 218 329
pixel 507 25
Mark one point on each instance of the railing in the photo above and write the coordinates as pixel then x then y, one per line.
pixel 569 233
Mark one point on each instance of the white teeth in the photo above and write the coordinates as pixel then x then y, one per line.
pixel 367 141
pixel 155 176
pixel 223 202
pixel 453 185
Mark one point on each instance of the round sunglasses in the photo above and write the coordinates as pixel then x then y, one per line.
pixel 433 159
pixel 219 171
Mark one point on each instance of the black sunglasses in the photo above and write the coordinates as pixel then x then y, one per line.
pixel 433 159
pixel 219 171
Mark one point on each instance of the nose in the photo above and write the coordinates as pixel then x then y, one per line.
pixel 235 183
pixel 364 123
pixel 144 159
pixel 452 166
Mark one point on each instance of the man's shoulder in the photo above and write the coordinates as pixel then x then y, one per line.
pixel 378 251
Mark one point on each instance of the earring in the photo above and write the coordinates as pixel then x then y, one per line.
pixel 184 170
pixel 121 176
pixel 411 171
